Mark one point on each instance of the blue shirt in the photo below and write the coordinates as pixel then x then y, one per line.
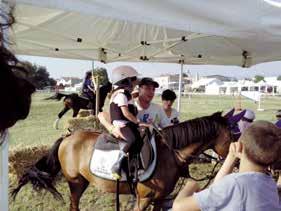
pixel 87 83
pixel 278 123
pixel 250 191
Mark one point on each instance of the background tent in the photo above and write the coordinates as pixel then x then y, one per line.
pixel 242 32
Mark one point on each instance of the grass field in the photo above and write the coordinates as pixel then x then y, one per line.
pixel 37 130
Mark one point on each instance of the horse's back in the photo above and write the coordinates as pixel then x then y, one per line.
pixel 75 152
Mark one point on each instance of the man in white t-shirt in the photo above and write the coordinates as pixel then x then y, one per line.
pixel 149 112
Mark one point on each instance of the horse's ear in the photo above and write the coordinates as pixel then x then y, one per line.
pixel 236 118
pixel 229 114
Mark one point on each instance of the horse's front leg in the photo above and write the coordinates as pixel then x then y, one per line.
pixel 56 123
pixel 75 112
pixel 64 110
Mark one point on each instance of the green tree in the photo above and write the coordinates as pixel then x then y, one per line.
pixel 102 73
pixel 39 75
pixel 279 78
pixel 258 78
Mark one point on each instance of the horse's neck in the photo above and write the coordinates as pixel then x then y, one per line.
pixel 189 150
pixel 187 153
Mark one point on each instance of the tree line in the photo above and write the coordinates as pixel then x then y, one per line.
pixel 40 77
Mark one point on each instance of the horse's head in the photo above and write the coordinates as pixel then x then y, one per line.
pixel 208 132
pixel 229 132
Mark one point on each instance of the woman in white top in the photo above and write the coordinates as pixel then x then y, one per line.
pixel 168 98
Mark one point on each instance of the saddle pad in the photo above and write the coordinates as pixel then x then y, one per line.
pixel 102 161
pixel 106 142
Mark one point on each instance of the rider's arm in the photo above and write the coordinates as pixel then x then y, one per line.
pixel 129 115
pixel 185 200
pixel 230 161
pixel 91 88
pixel 105 121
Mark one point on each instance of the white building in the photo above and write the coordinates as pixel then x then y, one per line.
pixel 163 81
pixel 68 81
pixel 207 85
pixel 171 82
pixel 76 88
pixel 276 84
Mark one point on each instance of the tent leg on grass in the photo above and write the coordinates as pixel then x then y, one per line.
pixel 180 85
pixel 4 171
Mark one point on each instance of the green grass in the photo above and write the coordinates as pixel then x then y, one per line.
pixel 37 129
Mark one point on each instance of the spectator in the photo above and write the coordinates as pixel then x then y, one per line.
pixel 246 120
pixel 168 98
pixel 278 117
pixel 252 188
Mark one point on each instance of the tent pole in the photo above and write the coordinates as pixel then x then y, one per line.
pixel 4 170
pixel 4 145
pixel 180 84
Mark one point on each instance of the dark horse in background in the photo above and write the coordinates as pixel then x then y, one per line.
pixel 176 147
pixel 75 102
pixel 15 89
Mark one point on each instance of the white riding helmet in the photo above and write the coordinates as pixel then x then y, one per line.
pixel 249 114
pixel 122 72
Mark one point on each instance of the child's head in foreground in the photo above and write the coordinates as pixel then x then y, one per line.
pixel 262 143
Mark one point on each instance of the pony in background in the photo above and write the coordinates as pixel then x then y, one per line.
pixel 75 102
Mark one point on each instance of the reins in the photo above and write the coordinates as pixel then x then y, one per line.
pixel 179 157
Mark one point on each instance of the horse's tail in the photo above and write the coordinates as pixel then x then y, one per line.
pixel 42 175
pixel 58 96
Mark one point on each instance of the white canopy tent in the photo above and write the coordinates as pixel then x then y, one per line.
pixel 241 32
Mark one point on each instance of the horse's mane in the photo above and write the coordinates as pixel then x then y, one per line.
pixel 203 129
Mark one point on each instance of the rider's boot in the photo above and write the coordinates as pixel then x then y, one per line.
pixel 116 168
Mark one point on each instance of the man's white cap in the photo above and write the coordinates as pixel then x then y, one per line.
pixel 122 72
pixel 249 114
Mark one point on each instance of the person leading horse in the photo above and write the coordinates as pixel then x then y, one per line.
pixel 88 89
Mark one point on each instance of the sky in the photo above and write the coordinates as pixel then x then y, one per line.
pixel 76 68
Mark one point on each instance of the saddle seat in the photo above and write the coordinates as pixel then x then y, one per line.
pixel 106 153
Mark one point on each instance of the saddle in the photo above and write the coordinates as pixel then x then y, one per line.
pixel 140 163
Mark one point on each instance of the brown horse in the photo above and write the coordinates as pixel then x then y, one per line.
pixel 175 149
